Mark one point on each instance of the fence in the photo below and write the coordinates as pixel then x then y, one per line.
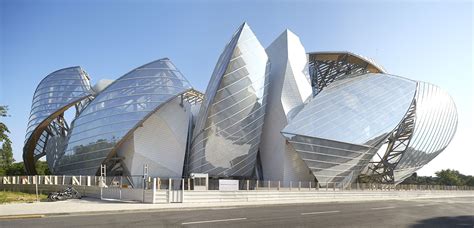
pixel 169 190
pixel 139 182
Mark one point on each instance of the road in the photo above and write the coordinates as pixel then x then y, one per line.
pixel 441 212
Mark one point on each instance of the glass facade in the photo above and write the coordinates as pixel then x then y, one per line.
pixel 435 125
pixel 328 114
pixel 57 90
pixel 54 94
pixel 118 110
pixel 229 123
pixel 340 129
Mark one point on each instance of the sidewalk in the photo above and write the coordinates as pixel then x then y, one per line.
pixel 90 205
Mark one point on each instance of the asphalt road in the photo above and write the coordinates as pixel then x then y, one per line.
pixel 442 212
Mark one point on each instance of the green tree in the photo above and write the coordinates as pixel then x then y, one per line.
pixel 6 154
pixel 42 168
pixel 449 177
pixel 16 169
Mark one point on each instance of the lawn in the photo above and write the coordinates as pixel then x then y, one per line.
pixel 19 197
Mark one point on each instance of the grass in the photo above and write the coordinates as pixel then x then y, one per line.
pixel 19 197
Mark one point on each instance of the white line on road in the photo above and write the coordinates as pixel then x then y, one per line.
pixel 319 212
pixel 224 208
pixel 209 221
pixel 379 208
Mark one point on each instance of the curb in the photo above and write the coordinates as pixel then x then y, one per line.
pixel 6 217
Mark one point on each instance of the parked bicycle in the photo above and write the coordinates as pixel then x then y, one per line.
pixel 67 193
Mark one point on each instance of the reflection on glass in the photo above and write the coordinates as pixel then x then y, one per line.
pixel 45 133
pixel 116 111
pixel 435 125
pixel 340 129
pixel 229 124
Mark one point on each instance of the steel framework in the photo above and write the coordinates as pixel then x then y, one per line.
pixel 381 171
pixel 326 67
pixel 54 126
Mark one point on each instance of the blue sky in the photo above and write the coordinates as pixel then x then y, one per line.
pixel 424 40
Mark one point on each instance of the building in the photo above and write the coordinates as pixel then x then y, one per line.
pixel 270 114
pixel 233 110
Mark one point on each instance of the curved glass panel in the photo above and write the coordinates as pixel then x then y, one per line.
pixel 56 91
pixel 54 94
pixel 229 125
pixel 435 125
pixel 355 110
pixel 116 111
pixel 340 129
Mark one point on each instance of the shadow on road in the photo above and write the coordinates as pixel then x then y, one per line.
pixel 457 221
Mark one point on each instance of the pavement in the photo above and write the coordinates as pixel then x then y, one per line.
pixel 88 205
pixel 433 212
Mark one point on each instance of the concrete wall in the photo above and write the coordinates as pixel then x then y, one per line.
pixel 311 196
pixel 89 191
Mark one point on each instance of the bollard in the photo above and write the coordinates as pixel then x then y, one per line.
pixel 169 190
pixel 256 187
pixel 291 183
pixel 268 185
pixel 310 185
pixel 36 185
pixel 299 186
pixel 278 185
pixel 153 200
pixel 189 184
pixel 247 185
pixel 182 192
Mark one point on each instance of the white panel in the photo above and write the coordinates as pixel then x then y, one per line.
pixel 161 142
pixel 288 89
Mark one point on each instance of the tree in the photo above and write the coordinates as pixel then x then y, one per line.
pixel 6 154
pixel 449 177
pixel 42 168
pixel 16 169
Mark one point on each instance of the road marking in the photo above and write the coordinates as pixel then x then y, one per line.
pixel 379 208
pixel 223 208
pixel 319 212
pixel 210 221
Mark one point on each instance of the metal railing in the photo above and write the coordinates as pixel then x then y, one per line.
pixel 146 182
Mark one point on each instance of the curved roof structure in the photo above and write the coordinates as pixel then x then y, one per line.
pixel 229 124
pixel 330 116
pixel 435 125
pixel 340 130
pixel 326 67
pixel 116 112
pixel 55 94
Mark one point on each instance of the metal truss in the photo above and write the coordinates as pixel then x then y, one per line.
pixel 381 171
pixel 324 68
pixel 192 96
pixel 57 127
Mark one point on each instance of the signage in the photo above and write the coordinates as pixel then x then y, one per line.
pixel 228 185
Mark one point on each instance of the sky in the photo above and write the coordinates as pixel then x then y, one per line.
pixel 430 41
